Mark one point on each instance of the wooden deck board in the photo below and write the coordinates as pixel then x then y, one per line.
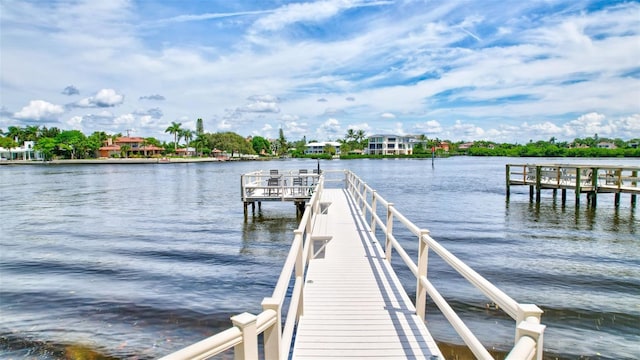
pixel 354 305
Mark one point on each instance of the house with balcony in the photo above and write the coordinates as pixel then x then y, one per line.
pixel 136 146
pixel 319 147
pixel 391 145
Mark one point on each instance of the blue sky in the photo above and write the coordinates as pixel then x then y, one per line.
pixel 505 71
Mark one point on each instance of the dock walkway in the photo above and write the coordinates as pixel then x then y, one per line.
pixel 354 304
pixel 338 296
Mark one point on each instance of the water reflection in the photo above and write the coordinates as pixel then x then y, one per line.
pixel 268 230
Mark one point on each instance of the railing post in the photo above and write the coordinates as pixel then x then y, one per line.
pixel 244 196
pixel 421 291
pixel 363 208
pixel 248 349
pixel 273 335
pixel 387 244
pixel 299 268
pixel 374 201
pixel 528 324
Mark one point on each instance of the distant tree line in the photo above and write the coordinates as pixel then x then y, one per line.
pixel 73 144
pixel 587 147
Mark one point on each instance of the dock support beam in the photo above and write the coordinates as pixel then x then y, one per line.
pixel 538 182
pixel 508 179
pixel 300 206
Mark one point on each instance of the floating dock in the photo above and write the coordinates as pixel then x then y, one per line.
pixel 339 297
pixel 582 179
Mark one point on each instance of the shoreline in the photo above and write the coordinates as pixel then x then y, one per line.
pixel 115 161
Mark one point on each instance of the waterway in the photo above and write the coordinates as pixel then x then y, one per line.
pixel 136 261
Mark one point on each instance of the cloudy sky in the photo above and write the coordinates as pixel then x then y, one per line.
pixel 506 71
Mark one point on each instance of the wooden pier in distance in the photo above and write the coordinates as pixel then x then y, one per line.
pixel 589 179
pixel 296 186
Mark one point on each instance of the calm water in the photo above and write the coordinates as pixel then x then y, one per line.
pixel 135 261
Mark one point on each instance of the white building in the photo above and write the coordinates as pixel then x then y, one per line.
pixel 391 145
pixel 24 152
pixel 318 147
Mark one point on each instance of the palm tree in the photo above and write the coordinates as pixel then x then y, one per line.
pixel 15 133
pixel 187 135
pixel 351 135
pixel 174 129
pixel 360 136
pixel 124 150
pixel 32 132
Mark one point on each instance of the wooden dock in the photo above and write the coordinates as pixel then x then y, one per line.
pixel 354 304
pixel 276 185
pixel 582 179
pixel 338 296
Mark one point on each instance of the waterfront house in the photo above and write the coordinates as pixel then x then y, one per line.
pixel 607 145
pixel 319 147
pixel 136 146
pixel 24 152
pixel 391 145
pixel 189 151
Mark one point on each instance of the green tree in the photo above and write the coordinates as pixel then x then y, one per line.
pixel 16 134
pixel 260 145
pixel 187 135
pixel 49 132
pixel 73 143
pixel 7 142
pixel 351 135
pixel 282 146
pixel 329 149
pixel 199 127
pixel 31 133
pixel 361 138
pixel 124 151
pixel 95 141
pixel 174 129
pixel 46 146
pixel 229 142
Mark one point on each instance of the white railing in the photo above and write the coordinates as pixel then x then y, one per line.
pixel 529 331
pixel 277 336
pixel 283 185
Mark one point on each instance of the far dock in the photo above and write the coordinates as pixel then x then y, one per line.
pixel 582 179
pixel 296 186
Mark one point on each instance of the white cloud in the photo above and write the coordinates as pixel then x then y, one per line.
pixel 104 98
pixel 75 122
pixel 300 12
pixel 430 127
pixel 467 130
pixel 126 119
pixel 330 128
pixel 387 115
pixel 39 110
pixel 261 104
